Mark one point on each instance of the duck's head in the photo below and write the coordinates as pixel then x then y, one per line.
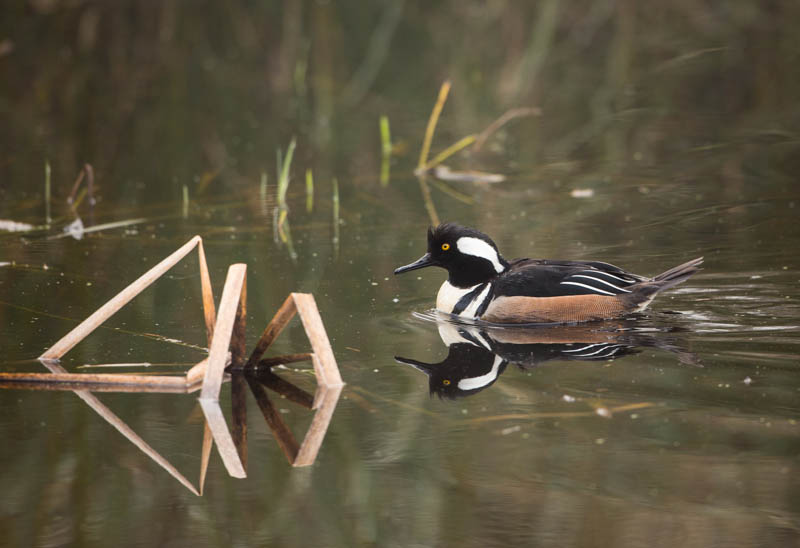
pixel 469 256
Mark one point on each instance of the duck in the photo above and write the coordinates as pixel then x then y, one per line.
pixel 483 286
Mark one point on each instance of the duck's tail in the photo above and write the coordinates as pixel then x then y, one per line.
pixel 676 275
pixel 643 293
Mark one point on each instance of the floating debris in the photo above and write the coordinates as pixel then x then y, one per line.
pixel 471 176
pixel 510 430
pixel 582 193
pixel 75 229
pixel 603 412
pixel 13 226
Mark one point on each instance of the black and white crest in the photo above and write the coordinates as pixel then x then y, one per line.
pixel 469 255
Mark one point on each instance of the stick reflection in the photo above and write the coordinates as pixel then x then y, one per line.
pixel 231 443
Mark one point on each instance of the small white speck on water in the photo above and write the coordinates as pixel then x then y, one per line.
pixel 582 193
pixel 395 300
pixel 603 412
pixel 568 398
pixel 747 381
pixel 375 370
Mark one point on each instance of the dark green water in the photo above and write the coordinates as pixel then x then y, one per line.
pixel 682 120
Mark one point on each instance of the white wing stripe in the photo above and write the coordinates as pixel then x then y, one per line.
pixel 596 290
pixel 600 272
pixel 609 284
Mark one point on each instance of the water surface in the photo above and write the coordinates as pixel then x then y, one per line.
pixel 680 121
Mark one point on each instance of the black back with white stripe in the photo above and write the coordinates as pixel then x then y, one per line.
pixel 553 278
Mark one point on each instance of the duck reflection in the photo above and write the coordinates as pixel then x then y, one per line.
pixel 477 355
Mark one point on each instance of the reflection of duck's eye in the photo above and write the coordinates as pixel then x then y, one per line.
pixel 446 382
pixel 445 247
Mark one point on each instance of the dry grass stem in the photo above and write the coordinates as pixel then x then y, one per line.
pixel 432 121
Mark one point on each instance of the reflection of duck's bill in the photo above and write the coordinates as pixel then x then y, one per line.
pixel 419 366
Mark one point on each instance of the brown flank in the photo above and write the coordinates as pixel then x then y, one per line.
pixel 566 309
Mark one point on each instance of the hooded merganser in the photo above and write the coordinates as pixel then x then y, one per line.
pixel 482 285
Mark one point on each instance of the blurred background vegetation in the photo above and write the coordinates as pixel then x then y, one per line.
pixel 159 93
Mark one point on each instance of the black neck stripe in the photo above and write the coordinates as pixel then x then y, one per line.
pixel 467 299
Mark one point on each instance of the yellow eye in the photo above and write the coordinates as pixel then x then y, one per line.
pixel 445 247
pixel 446 382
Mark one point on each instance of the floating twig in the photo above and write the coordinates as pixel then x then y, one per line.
pixel 77 230
pixel 444 173
pixel 225 331
pixel 325 368
pixel 121 299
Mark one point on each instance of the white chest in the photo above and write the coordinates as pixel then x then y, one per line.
pixel 449 296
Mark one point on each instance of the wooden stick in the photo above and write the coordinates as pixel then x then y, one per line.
pixel 282 434
pixel 238 341
pixel 222 436
pixel 170 383
pixel 121 299
pixel 324 362
pixel 327 398
pixel 223 330
pixel 197 372
pixel 209 313
pixel 285 313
